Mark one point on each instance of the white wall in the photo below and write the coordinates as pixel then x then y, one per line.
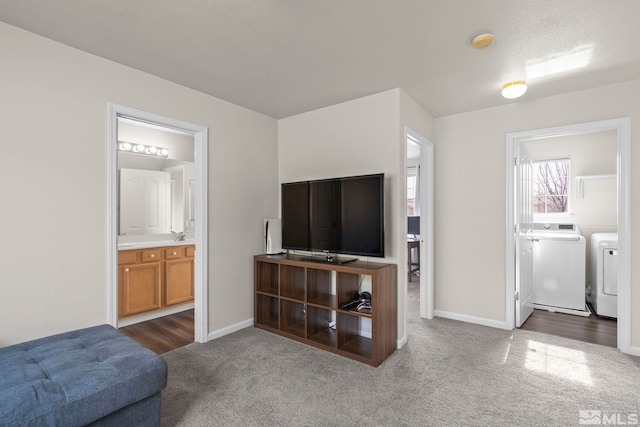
pixel 415 117
pixel 357 137
pixel 470 193
pixel 53 169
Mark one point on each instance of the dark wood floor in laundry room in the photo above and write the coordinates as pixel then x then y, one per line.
pixel 589 329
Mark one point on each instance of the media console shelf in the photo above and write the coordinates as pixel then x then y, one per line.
pixel 300 300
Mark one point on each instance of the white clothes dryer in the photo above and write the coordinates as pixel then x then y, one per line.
pixel 604 274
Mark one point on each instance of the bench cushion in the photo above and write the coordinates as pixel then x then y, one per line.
pixel 76 377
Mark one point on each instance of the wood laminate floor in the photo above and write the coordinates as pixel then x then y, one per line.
pixel 164 333
pixel 589 329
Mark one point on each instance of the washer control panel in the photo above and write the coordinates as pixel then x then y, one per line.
pixel 555 227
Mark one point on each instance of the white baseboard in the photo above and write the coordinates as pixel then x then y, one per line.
pixel 631 350
pixel 472 319
pixel 229 329
pixel 154 314
pixel 401 342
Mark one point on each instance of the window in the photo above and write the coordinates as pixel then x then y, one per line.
pixel 551 186
pixel 413 205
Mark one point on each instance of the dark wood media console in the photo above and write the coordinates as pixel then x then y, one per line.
pixel 300 299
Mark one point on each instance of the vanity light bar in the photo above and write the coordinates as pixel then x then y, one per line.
pixel 143 149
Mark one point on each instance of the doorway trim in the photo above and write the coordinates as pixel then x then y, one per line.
pixel 200 135
pixel 623 128
pixel 427 282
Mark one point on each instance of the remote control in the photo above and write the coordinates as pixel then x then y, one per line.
pixel 347 305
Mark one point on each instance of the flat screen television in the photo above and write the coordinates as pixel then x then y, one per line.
pixel 336 216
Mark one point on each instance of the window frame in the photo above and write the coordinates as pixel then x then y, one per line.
pixel 551 215
pixel 413 172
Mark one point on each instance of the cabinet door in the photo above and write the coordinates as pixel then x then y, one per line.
pixel 139 288
pixel 178 281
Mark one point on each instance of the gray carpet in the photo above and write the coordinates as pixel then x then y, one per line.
pixel 450 373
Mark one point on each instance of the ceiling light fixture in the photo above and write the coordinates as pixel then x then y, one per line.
pixel 514 89
pixel 482 40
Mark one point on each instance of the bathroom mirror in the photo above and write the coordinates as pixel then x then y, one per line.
pixel 156 180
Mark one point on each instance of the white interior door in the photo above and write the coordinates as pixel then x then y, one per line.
pixel 523 240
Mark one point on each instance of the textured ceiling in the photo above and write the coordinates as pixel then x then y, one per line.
pixel 284 57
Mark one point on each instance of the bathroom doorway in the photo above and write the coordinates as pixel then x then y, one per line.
pixel 176 151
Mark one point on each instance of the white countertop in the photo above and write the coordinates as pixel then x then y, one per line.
pixel 153 244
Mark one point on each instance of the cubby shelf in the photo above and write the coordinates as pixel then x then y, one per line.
pixel 354 311
pixel 300 300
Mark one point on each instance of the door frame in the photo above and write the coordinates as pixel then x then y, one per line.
pixel 427 281
pixel 623 128
pixel 200 135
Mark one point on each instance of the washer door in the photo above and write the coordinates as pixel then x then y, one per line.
pixel 559 273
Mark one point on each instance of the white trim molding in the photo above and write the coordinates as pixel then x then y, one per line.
pixel 427 213
pixel 200 135
pixel 632 350
pixel 427 258
pixel 230 329
pixel 472 319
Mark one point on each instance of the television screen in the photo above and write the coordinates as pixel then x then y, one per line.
pixel 295 208
pixel 341 215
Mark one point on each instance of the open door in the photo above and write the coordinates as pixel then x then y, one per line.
pixel 522 233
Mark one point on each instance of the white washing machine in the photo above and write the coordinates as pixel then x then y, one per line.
pixel 559 260
pixel 604 274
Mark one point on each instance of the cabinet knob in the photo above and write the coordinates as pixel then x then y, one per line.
pixel 126 270
pixel 152 256
pixel 175 253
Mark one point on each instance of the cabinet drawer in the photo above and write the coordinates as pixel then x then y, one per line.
pixel 149 255
pixel 127 257
pixel 174 252
pixel 190 250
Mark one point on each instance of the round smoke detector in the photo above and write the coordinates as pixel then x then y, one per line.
pixel 483 40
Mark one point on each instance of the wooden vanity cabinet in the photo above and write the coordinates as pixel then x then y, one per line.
pixel 153 278
pixel 139 282
pixel 178 275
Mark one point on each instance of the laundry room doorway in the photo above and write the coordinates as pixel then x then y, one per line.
pixel 574 180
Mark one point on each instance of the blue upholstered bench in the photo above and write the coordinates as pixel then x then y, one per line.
pixel 95 376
